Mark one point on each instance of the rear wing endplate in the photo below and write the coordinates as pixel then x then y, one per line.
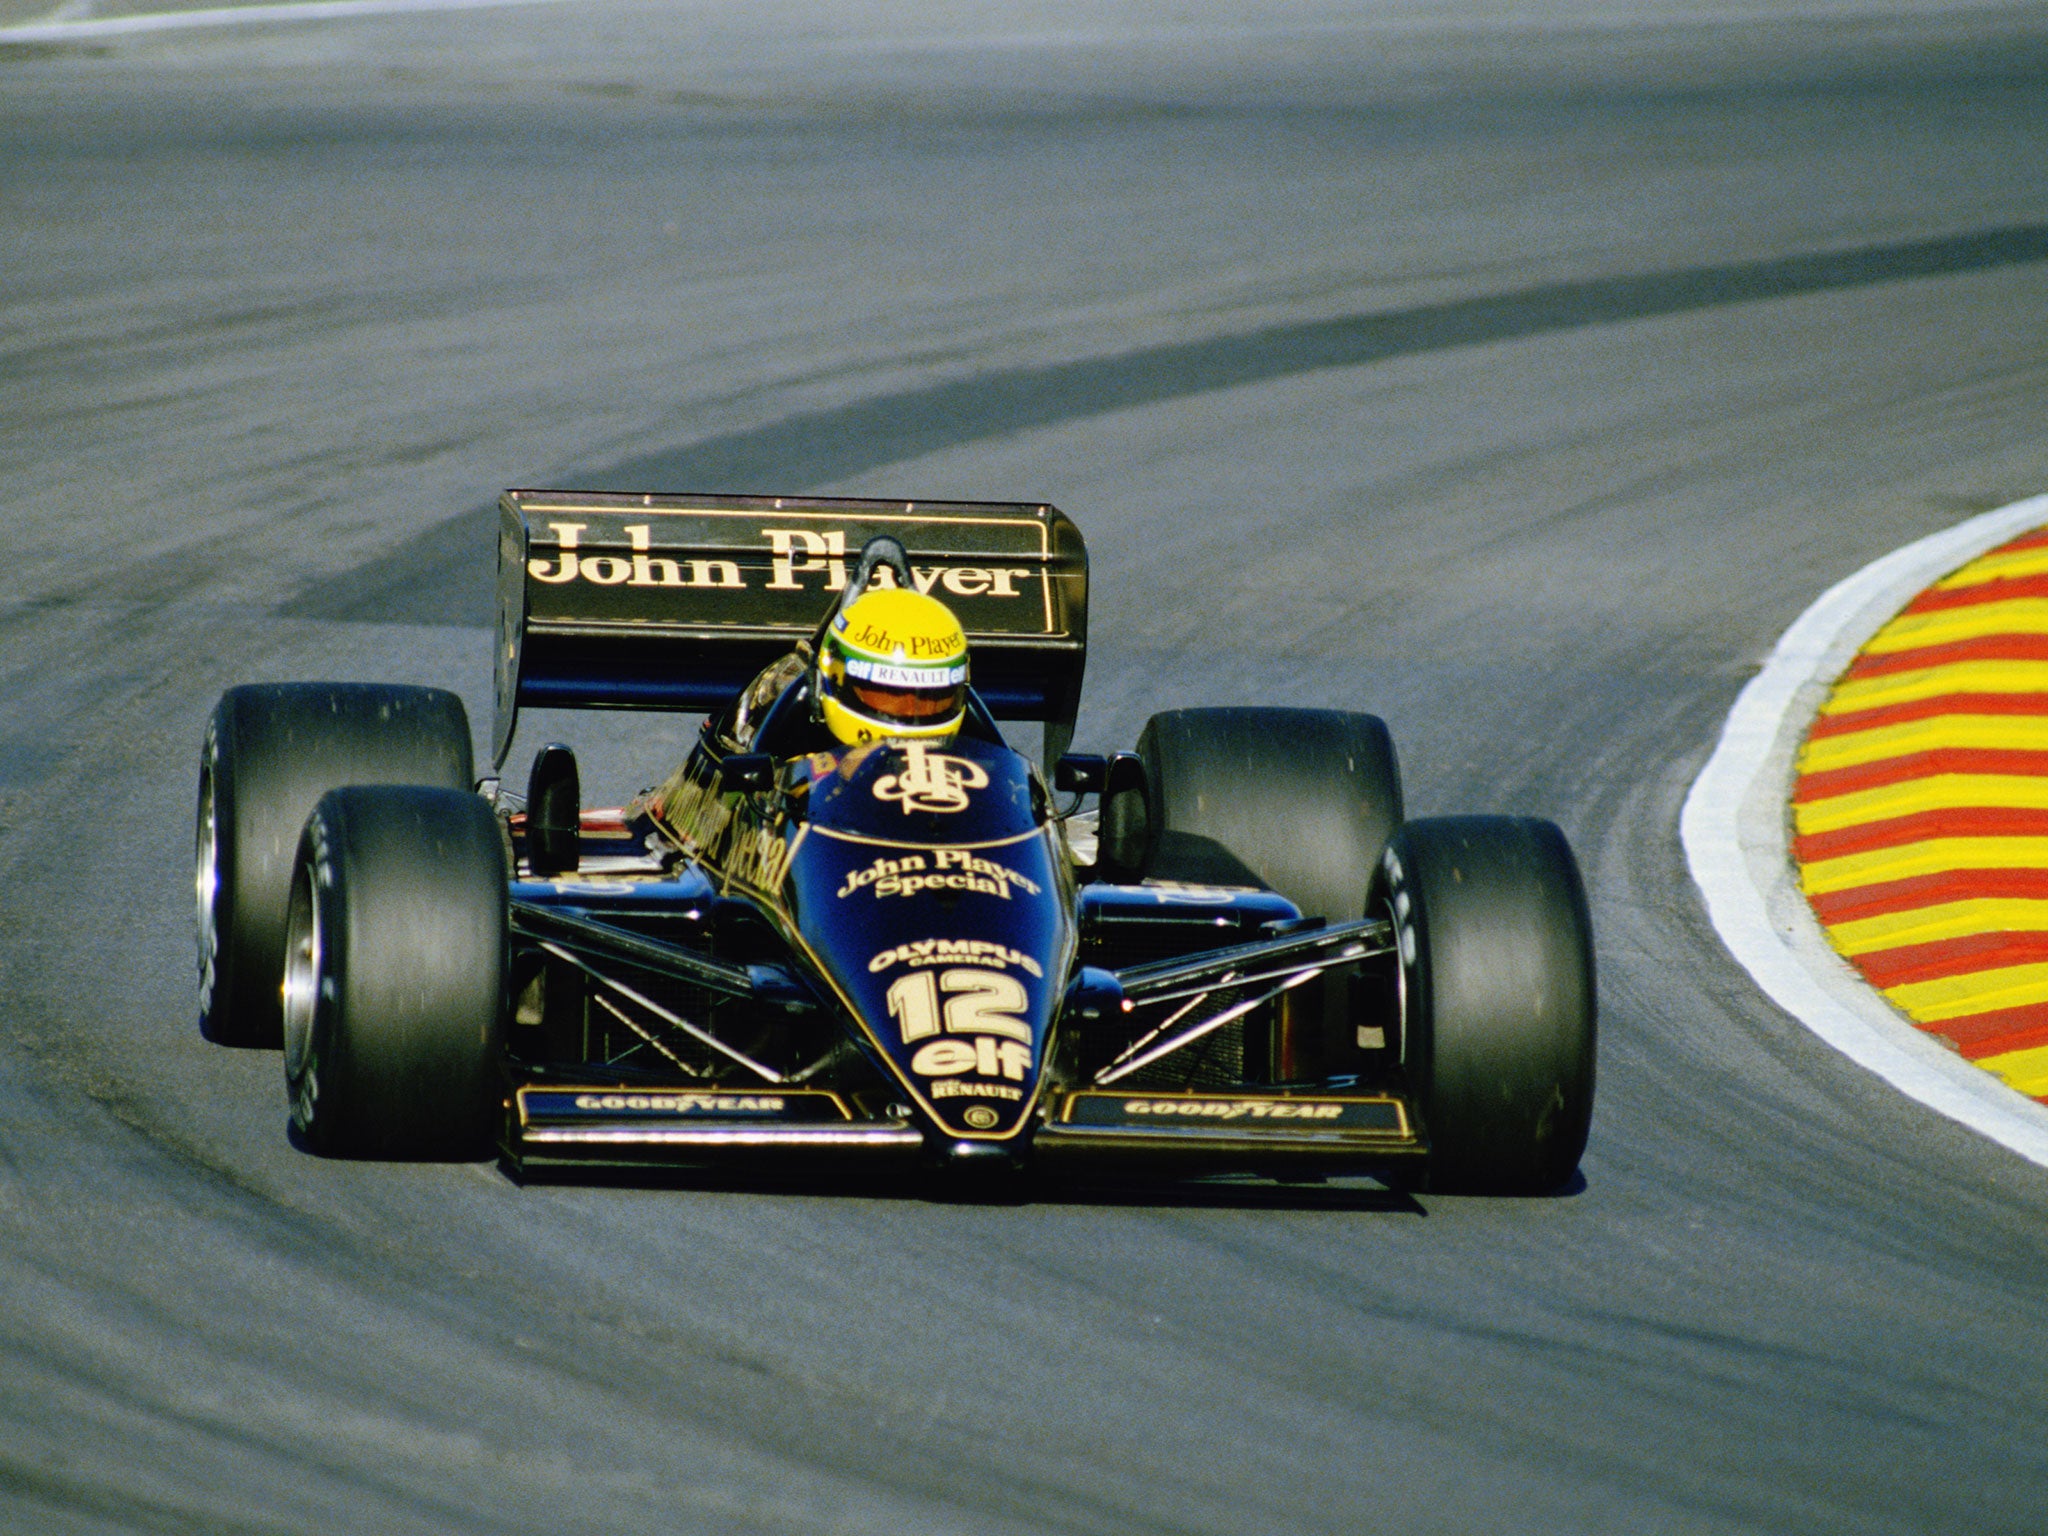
pixel 628 601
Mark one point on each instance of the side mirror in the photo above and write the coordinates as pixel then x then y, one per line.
pixel 1081 773
pixel 748 772
pixel 1126 830
pixel 554 812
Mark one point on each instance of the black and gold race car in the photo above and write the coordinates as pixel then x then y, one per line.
pixel 1223 952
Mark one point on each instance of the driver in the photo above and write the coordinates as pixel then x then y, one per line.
pixel 893 664
pixel 889 665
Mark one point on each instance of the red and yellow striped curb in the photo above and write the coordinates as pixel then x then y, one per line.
pixel 1920 812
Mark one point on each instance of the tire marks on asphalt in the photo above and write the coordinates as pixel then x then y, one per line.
pixel 443 574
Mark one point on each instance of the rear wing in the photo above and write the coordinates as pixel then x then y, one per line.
pixel 627 601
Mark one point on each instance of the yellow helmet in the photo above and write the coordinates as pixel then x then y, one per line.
pixel 894 663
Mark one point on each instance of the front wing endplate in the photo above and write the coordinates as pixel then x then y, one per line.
pixel 1327 1128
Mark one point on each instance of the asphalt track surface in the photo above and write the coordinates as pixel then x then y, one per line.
pixel 1518 375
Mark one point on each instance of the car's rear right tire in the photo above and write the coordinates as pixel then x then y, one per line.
pixel 1496 998
pixel 397 951
pixel 271 751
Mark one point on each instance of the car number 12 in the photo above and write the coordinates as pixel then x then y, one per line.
pixel 981 1004
pixel 977 1003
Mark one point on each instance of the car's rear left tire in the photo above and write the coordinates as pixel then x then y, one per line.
pixel 1300 801
pixel 271 751
pixel 397 951
pixel 1496 998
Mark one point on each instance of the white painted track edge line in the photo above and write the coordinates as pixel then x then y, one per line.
pixel 1734 829
pixel 236 16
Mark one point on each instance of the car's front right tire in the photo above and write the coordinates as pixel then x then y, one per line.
pixel 396 954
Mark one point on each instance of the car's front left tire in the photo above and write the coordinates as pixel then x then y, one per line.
pixel 1496 997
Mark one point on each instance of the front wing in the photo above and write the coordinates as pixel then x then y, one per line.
pixel 1100 1118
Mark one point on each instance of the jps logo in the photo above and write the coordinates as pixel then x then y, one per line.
pixel 931 781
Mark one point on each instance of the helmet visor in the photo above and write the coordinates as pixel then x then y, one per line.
pixel 912 706
pixel 905 695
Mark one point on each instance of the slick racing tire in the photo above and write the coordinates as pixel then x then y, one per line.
pixel 397 947
pixel 272 750
pixel 1496 998
pixel 1300 801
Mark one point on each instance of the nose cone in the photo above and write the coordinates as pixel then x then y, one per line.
pixel 972 1157
pixel 978 1172
pixel 947 925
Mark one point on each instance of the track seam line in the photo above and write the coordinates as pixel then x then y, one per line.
pixel 53 31
pixel 1736 827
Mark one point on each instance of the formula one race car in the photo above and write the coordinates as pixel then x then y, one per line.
pixel 1224 952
